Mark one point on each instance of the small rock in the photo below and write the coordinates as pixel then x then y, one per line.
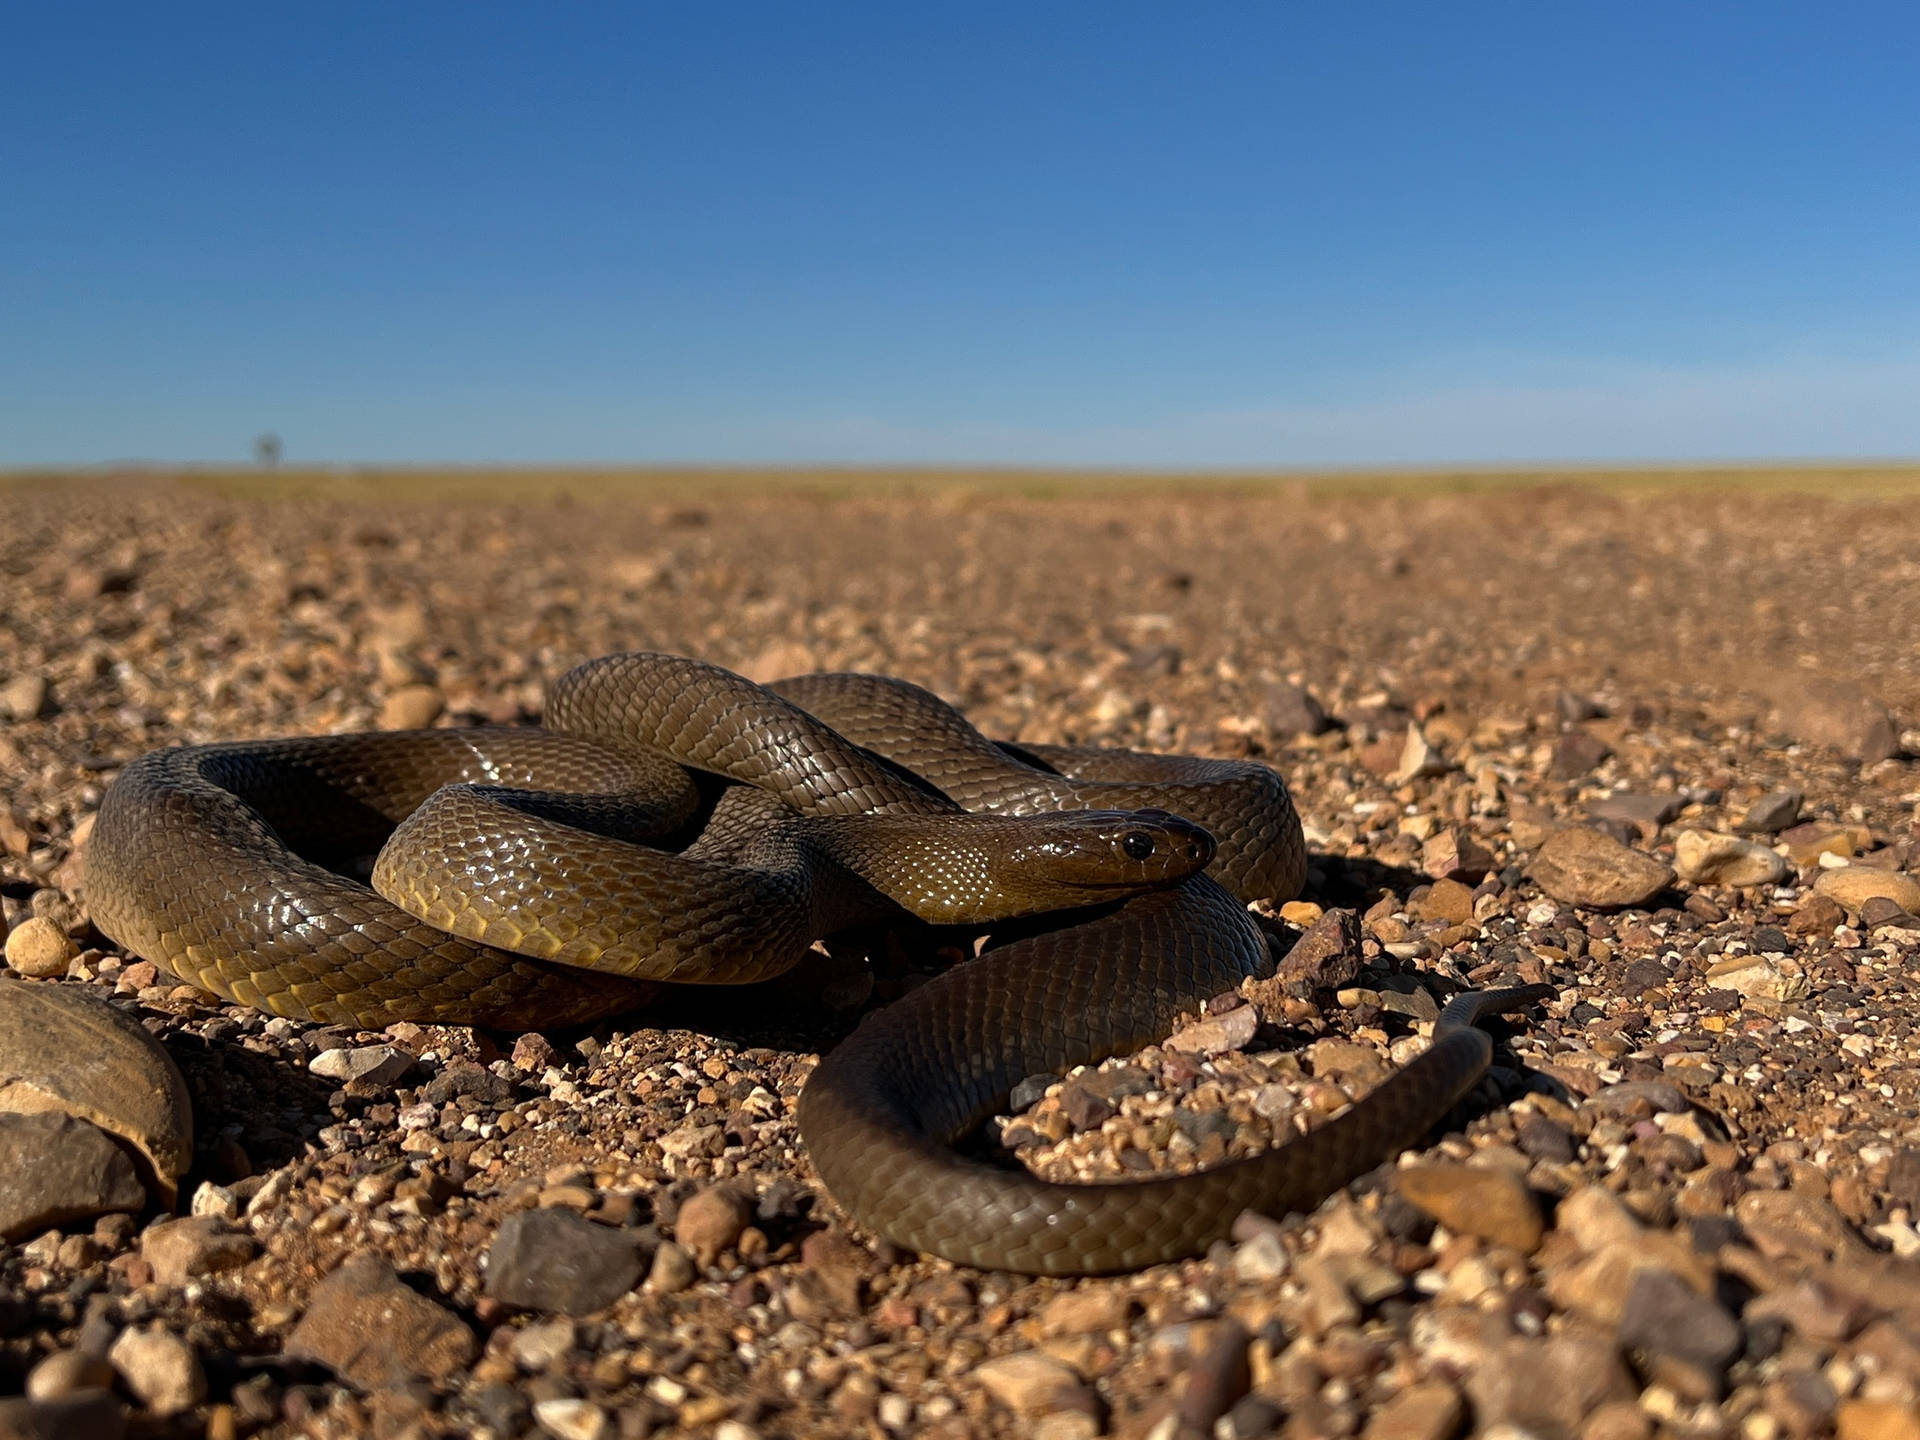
pixel 1817 915
pixel 89 1415
pixel 1453 856
pixel 67 1372
pixel 1852 886
pixel 1325 958
pixel 463 1077
pixel 555 1259
pixel 1685 1339
pixel 1854 724
pixel 1646 813
pixel 539 1347
pixel 711 1220
pixel 55 1169
pixel 572 1419
pixel 1805 844
pixel 40 949
pixel 1091 1311
pixel 1216 1377
pixel 1428 1410
pixel 1217 1034
pixel 1292 710
pixel 180 1250
pixel 1577 753
pixel 1878 910
pixel 1418 759
pixel 374 1332
pixel 533 1051
pixel 371 1065
pixel 24 697
pixel 1596 1218
pixel 1771 813
pixel 1261 1259
pixel 160 1369
pixel 412 707
pixel 1547 1387
pixel 1447 900
pixel 1085 1108
pixel 1701 857
pixel 1582 866
pixel 1494 1204
pixel 1756 975
pixel 1031 1384
pixel 672 1270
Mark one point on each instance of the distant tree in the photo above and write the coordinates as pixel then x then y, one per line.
pixel 266 449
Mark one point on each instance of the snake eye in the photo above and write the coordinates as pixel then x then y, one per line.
pixel 1138 844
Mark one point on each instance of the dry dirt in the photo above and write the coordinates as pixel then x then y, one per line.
pixel 1682 1205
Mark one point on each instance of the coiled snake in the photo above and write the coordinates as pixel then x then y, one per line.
pixel 676 824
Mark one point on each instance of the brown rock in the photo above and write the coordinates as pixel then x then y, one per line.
pixel 1031 1384
pixel 1325 958
pixel 160 1369
pixel 1817 915
pixel 412 707
pixel 1856 725
pixel 1807 843
pixel 1217 1034
pixel 1292 710
pixel 1429 1410
pixel 88 1415
pixel 711 1220
pixel 1853 885
pixel 1581 866
pixel 1492 1203
pixel 375 1332
pixel 1453 856
pixel 180 1250
pixel 1701 857
pixel 1576 753
pixel 1548 1387
pixel 1092 1310
pixel 1447 900
pixel 1876 1420
pixel 55 1169
pixel 552 1258
pixel 1772 813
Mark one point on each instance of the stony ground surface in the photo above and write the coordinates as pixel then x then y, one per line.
pixel 1655 752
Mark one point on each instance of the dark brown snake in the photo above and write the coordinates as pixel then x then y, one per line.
pixel 677 824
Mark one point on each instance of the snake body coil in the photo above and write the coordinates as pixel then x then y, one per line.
pixel 676 824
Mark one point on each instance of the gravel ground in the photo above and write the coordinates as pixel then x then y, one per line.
pixel 1656 751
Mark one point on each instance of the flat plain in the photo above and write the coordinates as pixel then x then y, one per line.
pixel 1682 1205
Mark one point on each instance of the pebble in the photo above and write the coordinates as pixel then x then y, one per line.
pixel 711 1220
pixel 1325 958
pixel 1217 1377
pixel 371 1065
pixel 1875 1420
pixel 412 707
pixel 55 1169
pixel 374 1331
pixel 1773 812
pixel 40 949
pixel 672 1270
pixel 159 1368
pixel 1487 1201
pixel 1088 1311
pixel 555 1259
pixel 1686 1338
pixel 1546 1388
pixel 1031 1384
pixel 1428 1410
pixel 1852 886
pixel 1583 866
pixel 1702 857
pixel 571 1419
pixel 1218 1034
pixel 1292 710
pixel 1576 753
pixel 1454 857
pixel 1756 975
pixel 67 1372
pixel 184 1249
pixel 24 697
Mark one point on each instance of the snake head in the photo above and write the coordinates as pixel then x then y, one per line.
pixel 1110 851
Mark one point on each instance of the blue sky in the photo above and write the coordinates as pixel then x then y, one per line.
pixel 1215 234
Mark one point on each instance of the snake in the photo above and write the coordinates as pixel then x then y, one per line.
pixel 671 823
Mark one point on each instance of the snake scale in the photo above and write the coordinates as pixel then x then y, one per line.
pixel 674 823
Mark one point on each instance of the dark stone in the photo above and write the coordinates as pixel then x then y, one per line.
pixel 553 1259
pixel 1772 813
pixel 55 1169
pixel 1681 1336
pixel 463 1077
pixel 1292 710
pixel 1577 753
pixel 1544 1139
pixel 1326 957
pixel 375 1332
pixel 84 1415
pixel 1084 1109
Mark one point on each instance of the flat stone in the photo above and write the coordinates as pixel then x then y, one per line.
pixel 1852 886
pixel 1031 1384
pixel 1293 710
pixel 1875 1420
pixel 554 1259
pixel 1492 1203
pixel 412 707
pixel 181 1250
pixel 375 1332
pixel 1217 1034
pixel 568 1418
pixel 1582 866
pixel 68 1372
pixel 1645 812
pixel 1805 844
pixel 1428 1410
pixel 1547 1387
pixel 55 1169
pixel 1817 915
pixel 1757 975
pixel 64 1049
pixel 1773 812
pixel 1702 857
pixel 160 1369
pixel 1577 753
pixel 375 1065
pixel 1090 1311
pixel 1685 1338
pixel 1453 856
